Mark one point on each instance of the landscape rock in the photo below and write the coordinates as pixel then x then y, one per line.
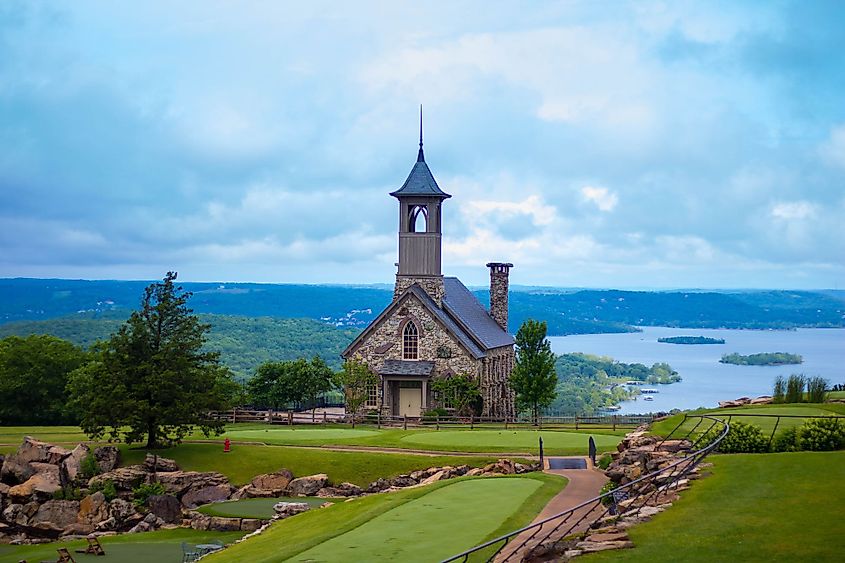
pixel 154 463
pixel 72 465
pixel 502 466
pixel 220 524
pixel 56 514
pixel 379 484
pixel 286 509
pixel 10 513
pixel 592 547
pixel 121 510
pixel 214 493
pixel 474 472
pixel 200 521
pixel 180 482
pixel 434 478
pixel 166 507
pixel 55 454
pixel 93 509
pixel 124 478
pixel 308 486
pixel 251 524
pixel 16 467
pixel 402 481
pixel 43 483
pixel 107 457
pixel 276 482
pixel 350 489
pixel 78 529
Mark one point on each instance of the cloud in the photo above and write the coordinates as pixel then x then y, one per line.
pixel 603 198
pixel 793 210
pixel 833 150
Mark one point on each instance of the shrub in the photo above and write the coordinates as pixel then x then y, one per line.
pixel 816 390
pixel 745 439
pixel 67 493
pixel 779 391
pixel 788 440
pixel 823 434
pixel 795 388
pixel 432 414
pixel 106 487
pixel 144 491
pixel 609 486
pixel 88 467
pixel 604 461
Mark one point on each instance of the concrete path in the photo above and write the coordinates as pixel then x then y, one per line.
pixel 584 484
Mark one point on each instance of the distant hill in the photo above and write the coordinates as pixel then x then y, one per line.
pixel 567 311
pixel 244 342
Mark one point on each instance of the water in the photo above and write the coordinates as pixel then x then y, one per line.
pixel 705 380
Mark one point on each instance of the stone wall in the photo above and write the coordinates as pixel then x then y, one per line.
pixel 433 286
pixel 496 392
pixel 499 273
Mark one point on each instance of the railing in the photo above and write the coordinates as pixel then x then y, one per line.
pixel 608 422
pixel 629 498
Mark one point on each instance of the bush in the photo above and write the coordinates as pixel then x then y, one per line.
pixel 816 390
pixel 788 440
pixel 779 391
pixel 144 491
pixel 795 388
pixel 88 467
pixel 67 493
pixel 432 414
pixel 604 461
pixel 823 434
pixel 609 486
pixel 106 487
pixel 744 439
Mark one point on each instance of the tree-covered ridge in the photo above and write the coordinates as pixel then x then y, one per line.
pixel 244 343
pixel 764 359
pixel 587 384
pixel 691 340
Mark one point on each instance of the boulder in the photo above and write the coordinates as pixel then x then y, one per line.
pixel 248 491
pixel 56 514
pixel 154 464
pixel 764 400
pixel 178 483
pixel 78 529
pixel 502 466
pixel 93 509
pixel 251 524
pixel 474 472
pixel 16 466
pixel 121 510
pixel 166 507
pixel 350 489
pixel 72 464
pixel 10 513
pixel 124 478
pixel 108 458
pixel 220 524
pixel 200 521
pixel 215 493
pixel 380 484
pixel 276 482
pixel 41 485
pixel 308 486
pixel 402 481
pixel 56 454
pixel 286 509
pixel 434 478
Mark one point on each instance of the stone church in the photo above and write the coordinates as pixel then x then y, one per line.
pixel 435 327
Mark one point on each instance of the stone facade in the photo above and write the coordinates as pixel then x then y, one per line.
pixel 499 273
pixel 433 286
pixel 496 393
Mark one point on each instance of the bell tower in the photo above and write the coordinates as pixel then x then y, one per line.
pixel 420 230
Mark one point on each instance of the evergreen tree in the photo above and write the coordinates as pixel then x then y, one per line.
pixel 533 378
pixel 152 378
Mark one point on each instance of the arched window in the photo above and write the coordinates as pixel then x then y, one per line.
pixel 410 342
pixel 418 213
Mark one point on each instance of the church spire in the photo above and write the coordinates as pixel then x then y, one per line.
pixel 420 155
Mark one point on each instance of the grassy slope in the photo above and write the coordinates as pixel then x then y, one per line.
pixel 163 546
pixel 755 507
pixel 255 507
pixel 293 536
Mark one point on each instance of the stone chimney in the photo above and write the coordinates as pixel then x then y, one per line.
pixel 499 272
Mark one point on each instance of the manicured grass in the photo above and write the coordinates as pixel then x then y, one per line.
pixel 245 462
pixel 163 546
pixel 431 521
pixel 556 442
pixel 755 507
pixel 767 424
pixel 836 395
pixel 256 507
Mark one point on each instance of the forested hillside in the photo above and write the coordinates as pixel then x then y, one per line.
pixel 244 342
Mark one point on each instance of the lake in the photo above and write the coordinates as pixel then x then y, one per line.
pixel 705 380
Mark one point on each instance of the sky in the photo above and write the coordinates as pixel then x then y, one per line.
pixel 592 144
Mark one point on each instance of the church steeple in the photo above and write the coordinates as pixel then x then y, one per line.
pixel 420 229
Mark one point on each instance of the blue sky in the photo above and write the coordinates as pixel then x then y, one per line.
pixel 593 144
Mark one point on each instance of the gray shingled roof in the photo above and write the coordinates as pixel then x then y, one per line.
pixel 450 324
pixel 406 367
pixel 461 304
pixel 420 182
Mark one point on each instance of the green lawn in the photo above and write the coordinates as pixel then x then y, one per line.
pixel 245 462
pixel 767 424
pixel 164 546
pixel 755 507
pixel 422 524
pixel 256 507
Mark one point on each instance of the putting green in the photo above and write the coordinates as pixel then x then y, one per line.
pixel 523 440
pixel 433 527
pixel 293 435
pixel 256 507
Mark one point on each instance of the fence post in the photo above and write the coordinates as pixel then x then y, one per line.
pixel 404 422
pixel 471 422
pixel 234 415
pixel 290 418
pixel 542 466
pixel 576 422
pixel 378 419
pixel 614 422
pixel 437 422
pixel 325 418
pixel 506 422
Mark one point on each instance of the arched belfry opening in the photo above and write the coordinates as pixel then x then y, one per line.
pixel 418 219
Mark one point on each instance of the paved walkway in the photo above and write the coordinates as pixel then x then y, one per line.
pixel 583 485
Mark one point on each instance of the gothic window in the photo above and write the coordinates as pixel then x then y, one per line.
pixel 418 212
pixel 410 342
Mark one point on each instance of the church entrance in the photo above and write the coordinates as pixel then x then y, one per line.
pixel 410 398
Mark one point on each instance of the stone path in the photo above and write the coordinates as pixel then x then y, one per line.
pixel 583 485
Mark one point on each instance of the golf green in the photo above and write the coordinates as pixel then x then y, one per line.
pixel 518 440
pixel 433 527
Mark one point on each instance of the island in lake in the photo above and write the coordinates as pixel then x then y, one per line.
pixel 765 359
pixel 691 340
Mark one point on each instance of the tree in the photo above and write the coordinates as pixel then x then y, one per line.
pixel 33 376
pixel 153 378
pixel 461 390
pixel 533 378
pixel 298 382
pixel 355 379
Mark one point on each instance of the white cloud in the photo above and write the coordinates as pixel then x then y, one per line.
pixel 793 210
pixel 833 150
pixel 603 198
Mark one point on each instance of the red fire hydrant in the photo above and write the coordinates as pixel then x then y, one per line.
pixel 227 446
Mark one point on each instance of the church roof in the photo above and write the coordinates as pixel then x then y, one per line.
pixel 420 182
pixel 406 367
pixel 461 304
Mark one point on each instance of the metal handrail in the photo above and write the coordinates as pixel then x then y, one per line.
pixel 683 466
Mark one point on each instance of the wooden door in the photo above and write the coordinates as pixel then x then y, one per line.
pixel 410 401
